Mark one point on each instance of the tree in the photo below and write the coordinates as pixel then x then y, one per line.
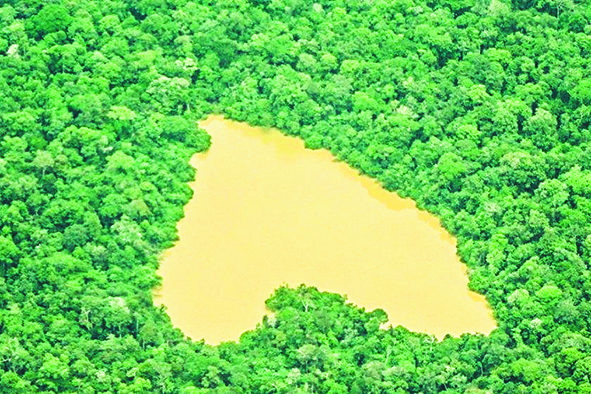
pixel 43 160
pixel 542 127
pixel 52 18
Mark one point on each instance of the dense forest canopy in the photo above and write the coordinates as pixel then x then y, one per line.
pixel 480 111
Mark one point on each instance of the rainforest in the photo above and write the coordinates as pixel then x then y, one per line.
pixel 479 111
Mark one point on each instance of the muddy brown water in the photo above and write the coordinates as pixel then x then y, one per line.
pixel 266 211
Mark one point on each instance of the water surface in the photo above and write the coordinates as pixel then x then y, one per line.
pixel 266 211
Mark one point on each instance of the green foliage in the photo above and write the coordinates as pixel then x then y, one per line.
pixel 478 111
pixel 51 19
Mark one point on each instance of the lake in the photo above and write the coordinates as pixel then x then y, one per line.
pixel 267 211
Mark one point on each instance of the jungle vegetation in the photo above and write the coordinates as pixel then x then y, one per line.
pixel 478 110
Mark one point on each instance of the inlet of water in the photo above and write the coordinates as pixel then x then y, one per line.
pixel 267 211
